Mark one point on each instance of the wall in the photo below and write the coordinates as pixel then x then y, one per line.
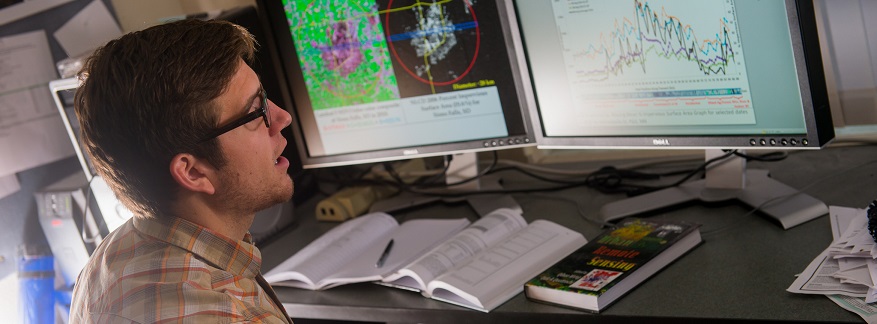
pixel 18 211
pixel 137 15
pixel 18 218
pixel 850 35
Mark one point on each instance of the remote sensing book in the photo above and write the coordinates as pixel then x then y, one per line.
pixel 613 263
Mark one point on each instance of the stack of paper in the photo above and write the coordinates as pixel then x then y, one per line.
pixel 847 270
pixel 855 253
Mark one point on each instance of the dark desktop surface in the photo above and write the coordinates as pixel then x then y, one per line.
pixel 740 272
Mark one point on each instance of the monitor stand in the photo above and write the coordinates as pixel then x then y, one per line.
pixel 728 180
pixel 462 166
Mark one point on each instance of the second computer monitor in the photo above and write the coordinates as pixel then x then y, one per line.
pixel 665 74
pixel 676 73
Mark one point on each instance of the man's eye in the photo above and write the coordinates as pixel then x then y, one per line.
pixel 256 104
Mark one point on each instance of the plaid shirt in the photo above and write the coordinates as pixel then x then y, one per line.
pixel 149 271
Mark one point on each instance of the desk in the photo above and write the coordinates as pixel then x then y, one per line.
pixel 741 272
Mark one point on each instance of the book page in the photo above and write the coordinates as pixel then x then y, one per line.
pixel 485 232
pixel 410 240
pixel 499 273
pixel 332 251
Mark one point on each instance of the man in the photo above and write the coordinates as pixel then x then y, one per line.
pixel 179 126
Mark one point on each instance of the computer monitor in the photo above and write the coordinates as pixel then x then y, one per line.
pixel 110 212
pixel 667 74
pixel 373 81
pixel 387 80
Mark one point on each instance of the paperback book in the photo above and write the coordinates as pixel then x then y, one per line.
pixel 613 263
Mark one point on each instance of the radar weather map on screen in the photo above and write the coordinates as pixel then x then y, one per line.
pixel 400 73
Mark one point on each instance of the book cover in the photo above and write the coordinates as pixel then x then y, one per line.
pixel 612 263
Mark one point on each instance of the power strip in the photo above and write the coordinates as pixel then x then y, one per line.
pixel 354 201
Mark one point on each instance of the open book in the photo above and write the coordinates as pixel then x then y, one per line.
pixel 478 266
pixel 487 263
pixel 349 253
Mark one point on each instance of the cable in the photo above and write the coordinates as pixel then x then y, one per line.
pixel 612 180
pixel 797 191
pixel 436 176
pixel 85 238
pixel 579 209
pixel 607 179
pixel 480 174
pixel 811 184
pixel 432 183
pixel 702 168
pixel 586 172
pixel 767 157
pixel 641 163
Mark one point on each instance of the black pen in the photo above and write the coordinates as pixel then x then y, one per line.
pixel 384 255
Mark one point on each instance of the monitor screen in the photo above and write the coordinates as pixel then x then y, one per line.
pixel 675 73
pixel 711 74
pixel 383 80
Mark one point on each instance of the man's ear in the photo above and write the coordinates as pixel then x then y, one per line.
pixel 192 173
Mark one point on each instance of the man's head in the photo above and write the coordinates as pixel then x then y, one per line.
pixel 150 97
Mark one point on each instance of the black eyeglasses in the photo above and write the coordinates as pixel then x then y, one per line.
pixel 262 111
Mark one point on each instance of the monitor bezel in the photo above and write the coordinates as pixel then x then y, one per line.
pixel 70 85
pixel 811 82
pixel 280 44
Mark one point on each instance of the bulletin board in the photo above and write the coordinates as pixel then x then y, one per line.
pixel 54 18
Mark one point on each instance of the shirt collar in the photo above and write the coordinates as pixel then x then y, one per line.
pixel 237 257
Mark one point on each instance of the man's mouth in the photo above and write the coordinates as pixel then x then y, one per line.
pixel 281 162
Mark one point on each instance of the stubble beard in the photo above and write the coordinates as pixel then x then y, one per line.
pixel 234 195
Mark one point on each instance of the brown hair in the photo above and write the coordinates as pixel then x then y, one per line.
pixel 148 96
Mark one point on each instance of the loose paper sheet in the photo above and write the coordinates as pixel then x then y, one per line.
pixel 819 278
pixel 816 279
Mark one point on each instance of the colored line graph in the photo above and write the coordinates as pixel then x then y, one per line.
pixel 700 40
pixel 653 63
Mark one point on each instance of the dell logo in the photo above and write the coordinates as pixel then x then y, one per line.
pixel 661 142
pixel 409 152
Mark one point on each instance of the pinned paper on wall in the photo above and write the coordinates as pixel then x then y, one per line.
pixel 90 28
pixel 31 131
pixel 13 10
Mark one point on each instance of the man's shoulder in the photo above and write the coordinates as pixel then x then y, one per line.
pixel 129 256
pixel 132 276
pixel 126 245
pixel 166 302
